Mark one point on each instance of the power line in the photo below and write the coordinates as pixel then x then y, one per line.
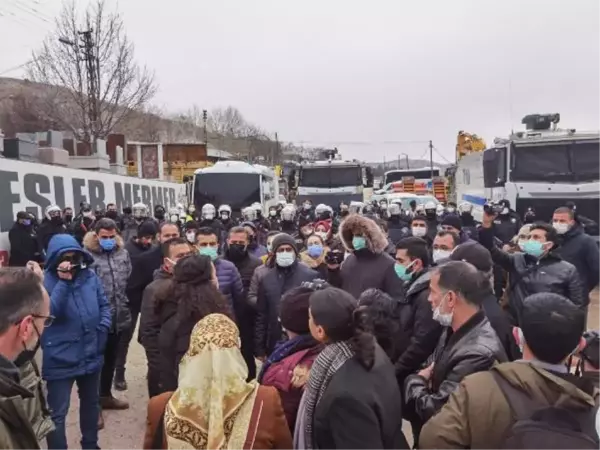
pixel 441 156
pixel 15 68
pixel 31 11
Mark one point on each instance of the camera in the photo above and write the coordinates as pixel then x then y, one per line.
pixel 492 208
pixel 334 257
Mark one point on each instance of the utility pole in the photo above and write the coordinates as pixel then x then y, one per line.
pixel 204 124
pixel 431 157
pixel 399 165
pixel 88 49
pixel 275 150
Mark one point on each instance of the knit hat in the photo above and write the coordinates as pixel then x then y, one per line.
pixel 452 221
pixel 283 239
pixel 147 229
pixel 303 221
pixel 474 254
pixel 294 310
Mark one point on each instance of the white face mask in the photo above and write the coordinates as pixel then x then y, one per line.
pixel 440 254
pixel 208 216
pixel 444 319
pixel 561 228
pixel 505 211
pixel 322 234
pixel 419 231
pixel 272 213
pixel 224 215
pixel 191 237
pixel 450 209
pixel 285 259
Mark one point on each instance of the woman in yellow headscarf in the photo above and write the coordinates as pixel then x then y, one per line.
pixel 214 407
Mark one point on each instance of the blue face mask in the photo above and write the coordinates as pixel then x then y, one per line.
pixel 534 248
pixel 402 271
pixel 211 252
pixel 359 242
pixel 27 222
pixel 315 250
pixel 108 244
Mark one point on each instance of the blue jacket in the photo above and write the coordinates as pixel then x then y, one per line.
pixel 74 344
pixel 230 282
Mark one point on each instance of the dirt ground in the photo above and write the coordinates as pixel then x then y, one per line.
pixel 125 429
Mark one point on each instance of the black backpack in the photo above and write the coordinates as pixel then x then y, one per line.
pixel 543 426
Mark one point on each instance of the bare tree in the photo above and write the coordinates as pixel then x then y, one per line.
pixel 93 81
pixel 227 122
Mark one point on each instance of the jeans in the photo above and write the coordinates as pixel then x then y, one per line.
pixel 125 340
pixel 110 360
pixel 59 397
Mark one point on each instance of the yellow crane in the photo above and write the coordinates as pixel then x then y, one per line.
pixel 467 143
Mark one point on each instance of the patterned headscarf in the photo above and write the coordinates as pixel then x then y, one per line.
pixel 212 407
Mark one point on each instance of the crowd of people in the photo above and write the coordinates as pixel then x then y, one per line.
pixel 304 328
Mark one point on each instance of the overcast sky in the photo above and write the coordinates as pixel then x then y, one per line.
pixel 343 72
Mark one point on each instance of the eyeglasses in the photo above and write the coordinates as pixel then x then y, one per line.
pixel 48 320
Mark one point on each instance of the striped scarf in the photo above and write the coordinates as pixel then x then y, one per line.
pixel 324 368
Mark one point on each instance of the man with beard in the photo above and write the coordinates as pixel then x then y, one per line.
pixel 51 225
pixel 137 247
pixel 237 253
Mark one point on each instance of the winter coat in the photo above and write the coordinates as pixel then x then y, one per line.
pixel 24 246
pixel 150 321
pixel 46 230
pixel 267 428
pixel 469 226
pixel 318 264
pixel 528 275
pixel 137 281
pixel 81 226
pixel 477 414
pixel 350 417
pixel 501 324
pixel 113 268
pixel 474 347
pixel 36 408
pixel 582 251
pixel 419 333
pixel 370 267
pixel 257 276
pixel 74 344
pixel 257 251
pixel 290 375
pixel 245 312
pixel 230 282
pixel 398 228
pixel 507 226
pixel 16 429
pixel 276 282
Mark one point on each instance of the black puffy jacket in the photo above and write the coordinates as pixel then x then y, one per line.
pixel 472 348
pixel 528 275
pixel 419 333
pixel 46 231
pixel 507 226
pixel 24 246
pixel 581 250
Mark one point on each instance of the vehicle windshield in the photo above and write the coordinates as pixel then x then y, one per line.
pixel 405 201
pixel 556 162
pixel 330 177
pixel 237 190
pixel 418 174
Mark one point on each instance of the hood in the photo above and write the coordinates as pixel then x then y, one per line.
pixel 60 244
pixel 540 383
pixel 90 242
pixel 356 224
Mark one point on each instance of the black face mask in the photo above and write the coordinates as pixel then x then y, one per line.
pixel 111 214
pixel 160 215
pixel 68 218
pixel 28 354
pixel 344 213
pixel 430 214
pixel 56 220
pixel 237 252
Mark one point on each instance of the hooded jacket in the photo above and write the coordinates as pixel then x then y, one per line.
pixel 370 267
pixel 419 333
pixel 477 414
pixel 16 429
pixel 474 347
pixel 24 245
pixel 113 268
pixel 529 275
pixel 581 250
pixel 74 344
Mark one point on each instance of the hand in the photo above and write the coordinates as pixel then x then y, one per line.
pixel 64 271
pixel 35 268
pixel 426 373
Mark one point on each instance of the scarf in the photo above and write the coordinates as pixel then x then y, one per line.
pixel 285 348
pixel 311 262
pixel 324 368
pixel 212 407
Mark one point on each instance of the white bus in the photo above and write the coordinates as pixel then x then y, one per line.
pixel 237 184
pixel 422 175
pixel 332 182
pixel 542 169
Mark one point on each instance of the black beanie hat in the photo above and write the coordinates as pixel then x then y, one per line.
pixel 294 310
pixel 146 229
pixel 303 221
pixel 283 239
pixel 452 221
